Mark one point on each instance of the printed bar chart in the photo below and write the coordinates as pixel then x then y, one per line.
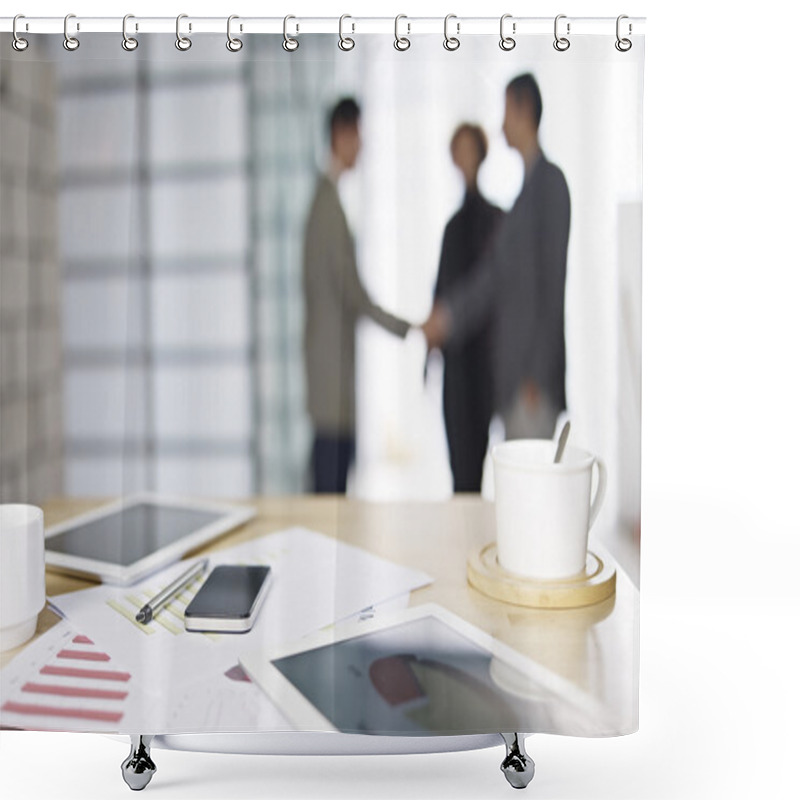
pixel 67 681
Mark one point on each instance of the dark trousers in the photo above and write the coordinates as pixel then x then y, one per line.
pixel 331 457
pixel 467 413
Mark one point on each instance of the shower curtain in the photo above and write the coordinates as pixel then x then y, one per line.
pixel 167 216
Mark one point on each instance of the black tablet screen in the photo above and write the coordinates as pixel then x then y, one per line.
pixel 130 534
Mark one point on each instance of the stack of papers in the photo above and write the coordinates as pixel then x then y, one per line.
pixel 191 682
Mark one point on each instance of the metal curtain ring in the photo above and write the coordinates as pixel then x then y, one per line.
pixel 561 43
pixel 506 42
pixel 233 44
pixel 345 42
pixel 290 44
pixel 183 43
pixel 129 43
pixel 70 42
pixel 401 43
pixel 18 43
pixel 623 44
pixel 451 42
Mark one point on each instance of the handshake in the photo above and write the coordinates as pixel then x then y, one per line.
pixel 437 327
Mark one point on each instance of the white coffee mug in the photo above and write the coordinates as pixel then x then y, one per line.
pixel 544 510
pixel 21 572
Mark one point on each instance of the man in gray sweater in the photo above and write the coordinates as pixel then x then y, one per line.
pixel 335 298
pixel 518 287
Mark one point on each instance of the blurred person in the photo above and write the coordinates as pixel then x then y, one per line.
pixel 519 284
pixel 467 394
pixel 335 298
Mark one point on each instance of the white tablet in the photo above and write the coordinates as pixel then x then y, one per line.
pixel 127 540
pixel 422 672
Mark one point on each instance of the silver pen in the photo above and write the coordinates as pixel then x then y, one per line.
pixel 148 610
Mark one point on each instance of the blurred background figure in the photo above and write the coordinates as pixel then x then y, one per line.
pixel 467 391
pixel 334 300
pixel 519 284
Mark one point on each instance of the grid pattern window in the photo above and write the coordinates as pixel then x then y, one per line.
pixel 184 190
pixel 157 257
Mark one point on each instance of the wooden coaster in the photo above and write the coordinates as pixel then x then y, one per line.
pixel 598 582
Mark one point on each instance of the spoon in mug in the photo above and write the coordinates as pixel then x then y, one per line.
pixel 562 442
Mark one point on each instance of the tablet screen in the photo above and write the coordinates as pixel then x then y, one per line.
pixel 420 677
pixel 130 534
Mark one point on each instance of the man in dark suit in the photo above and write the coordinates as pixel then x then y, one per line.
pixel 519 284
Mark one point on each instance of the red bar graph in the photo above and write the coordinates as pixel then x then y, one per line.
pixel 91 674
pixel 73 680
pixel 73 691
pixel 84 655
pixel 71 713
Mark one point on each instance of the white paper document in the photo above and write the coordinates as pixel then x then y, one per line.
pixel 64 681
pixel 191 681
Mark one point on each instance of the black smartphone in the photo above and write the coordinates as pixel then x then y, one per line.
pixel 229 600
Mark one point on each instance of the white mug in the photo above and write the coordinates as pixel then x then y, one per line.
pixel 544 510
pixel 21 572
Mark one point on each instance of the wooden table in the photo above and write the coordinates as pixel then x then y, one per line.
pixel 596 648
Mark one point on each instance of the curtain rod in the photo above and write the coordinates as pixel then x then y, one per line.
pixel 351 25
